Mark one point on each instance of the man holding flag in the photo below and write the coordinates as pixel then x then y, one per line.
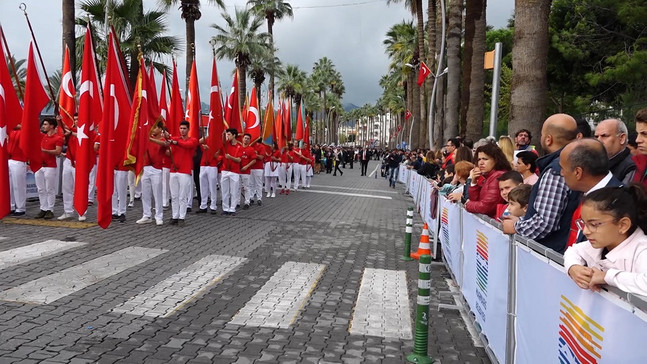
pixel 182 149
pixel 230 176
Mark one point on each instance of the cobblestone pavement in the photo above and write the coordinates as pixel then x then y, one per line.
pixel 277 283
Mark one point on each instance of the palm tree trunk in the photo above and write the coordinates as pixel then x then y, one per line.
pixel 420 104
pixel 476 106
pixel 242 91
pixel 190 48
pixel 68 34
pixel 468 51
pixel 440 129
pixel 529 59
pixel 408 128
pixel 432 26
pixel 455 16
pixel 269 30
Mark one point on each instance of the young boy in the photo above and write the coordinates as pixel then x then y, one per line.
pixel 518 200
pixel 507 182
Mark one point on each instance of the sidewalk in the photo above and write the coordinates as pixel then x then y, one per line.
pixel 276 283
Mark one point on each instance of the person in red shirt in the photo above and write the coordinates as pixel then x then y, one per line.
pixel 257 172
pixel 17 174
pixel 247 160
pixel 151 181
pixel 295 157
pixel 230 176
pixel 208 178
pixel 272 164
pixel 69 167
pixel 306 163
pixel 182 149
pixel 285 169
pixel 51 146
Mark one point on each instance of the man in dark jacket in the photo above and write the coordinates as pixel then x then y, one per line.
pixel 613 134
pixel 393 160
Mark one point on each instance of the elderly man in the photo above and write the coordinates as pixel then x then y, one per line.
pixel 612 133
pixel 641 141
pixel 585 169
pixel 551 203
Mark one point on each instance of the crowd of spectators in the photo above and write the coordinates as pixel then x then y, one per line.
pixel 561 199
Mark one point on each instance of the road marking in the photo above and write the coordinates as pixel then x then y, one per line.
pixel 9 258
pixel 50 223
pixel 173 293
pixel 382 306
pixel 54 286
pixel 354 189
pixel 349 194
pixel 279 301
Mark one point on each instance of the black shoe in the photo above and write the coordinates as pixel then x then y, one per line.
pixel 18 213
pixel 201 211
pixel 232 214
pixel 115 216
pixel 246 207
pixel 188 209
pixel 335 174
pixel 251 202
pixel 122 218
pixel 48 215
pixel 237 206
pixel 173 222
pixel 180 222
pixel 214 212
pixel 225 213
pixel 260 202
pixel 40 214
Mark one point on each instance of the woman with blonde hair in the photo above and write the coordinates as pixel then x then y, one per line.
pixel 507 147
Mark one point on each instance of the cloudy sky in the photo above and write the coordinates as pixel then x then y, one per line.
pixel 349 32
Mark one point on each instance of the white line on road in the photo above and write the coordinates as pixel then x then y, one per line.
pixel 173 293
pixel 54 286
pixel 278 302
pixel 355 189
pixel 382 306
pixel 349 194
pixel 9 258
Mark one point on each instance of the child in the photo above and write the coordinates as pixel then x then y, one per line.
pixel 462 171
pixel 518 200
pixel 613 220
pixel 507 182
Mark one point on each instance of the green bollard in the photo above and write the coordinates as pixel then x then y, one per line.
pixel 419 354
pixel 407 236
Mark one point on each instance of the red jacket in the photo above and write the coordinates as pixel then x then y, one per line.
pixel 484 197
pixel 641 169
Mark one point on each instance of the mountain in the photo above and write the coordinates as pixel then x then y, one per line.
pixel 349 106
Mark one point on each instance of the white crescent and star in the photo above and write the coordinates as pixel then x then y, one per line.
pixel 66 82
pixel 86 86
pixel 3 129
pixel 257 118
pixel 80 134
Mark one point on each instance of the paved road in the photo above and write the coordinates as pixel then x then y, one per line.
pixel 313 277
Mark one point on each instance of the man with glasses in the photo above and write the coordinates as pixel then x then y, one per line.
pixel 613 134
pixel 450 150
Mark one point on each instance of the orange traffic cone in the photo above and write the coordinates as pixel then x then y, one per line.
pixel 423 247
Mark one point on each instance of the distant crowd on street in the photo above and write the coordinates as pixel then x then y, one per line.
pixel 584 197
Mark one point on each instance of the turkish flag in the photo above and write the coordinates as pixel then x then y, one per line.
pixel 407 115
pixel 35 100
pixel 268 124
pixel 253 123
pixel 140 122
pixel 176 110
pixel 216 125
pixel 90 108
pixel 151 95
pixel 232 110
pixel 287 123
pixel 67 94
pixel 10 114
pixel 163 101
pixel 278 127
pixel 193 104
pixel 113 131
pixel 423 73
pixel 299 135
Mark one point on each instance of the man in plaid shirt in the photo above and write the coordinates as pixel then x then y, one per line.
pixel 552 203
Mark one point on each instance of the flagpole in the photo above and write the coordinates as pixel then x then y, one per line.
pixel 13 65
pixel 23 7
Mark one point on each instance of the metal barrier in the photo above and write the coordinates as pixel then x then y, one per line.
pixel 527 308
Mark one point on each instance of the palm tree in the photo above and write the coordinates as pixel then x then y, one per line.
pixel 529 59
pixel 190 13
pixel 293 82
pixel 475 17
pixel 260 66
pixel 241 42
pixel 135 32
pixel 455 16
pixel 69 36
pixel 272 10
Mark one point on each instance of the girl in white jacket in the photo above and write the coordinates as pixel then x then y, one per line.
pixel 613 220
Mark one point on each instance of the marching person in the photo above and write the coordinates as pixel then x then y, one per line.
pixel 272 164
pixel 262 151
pixel 247 160
pixel 69 168
pixel 151 181
pixel 17 174
pixel 208 178
pixel 51 145
pixel 182 148
pixel 305 160
pixel 230 176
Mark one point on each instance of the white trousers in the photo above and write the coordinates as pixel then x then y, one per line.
pixel 134 188
pixel 285 175
pixel 17 185
pixel 257 183
pixel 151 184
pixel 92 182
pixel 119 194
pixel 68 187
pixel 166 192
pixel 299 174
pixel 247 189
pixel 229 188
pixel 270 183
pixel 208 186
pixel 180 184
pixel 46 184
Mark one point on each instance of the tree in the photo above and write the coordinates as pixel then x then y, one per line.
pixel 260 66
pixel 240 41
pixel 529 57
pixel 452 109
pixel 272 10
pixel 190 13
pixel 69 36
pixel 475 17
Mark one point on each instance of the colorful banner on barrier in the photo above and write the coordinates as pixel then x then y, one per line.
pixel 403 175
pixel 485 278
pixel 450 236
pixel 557 322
